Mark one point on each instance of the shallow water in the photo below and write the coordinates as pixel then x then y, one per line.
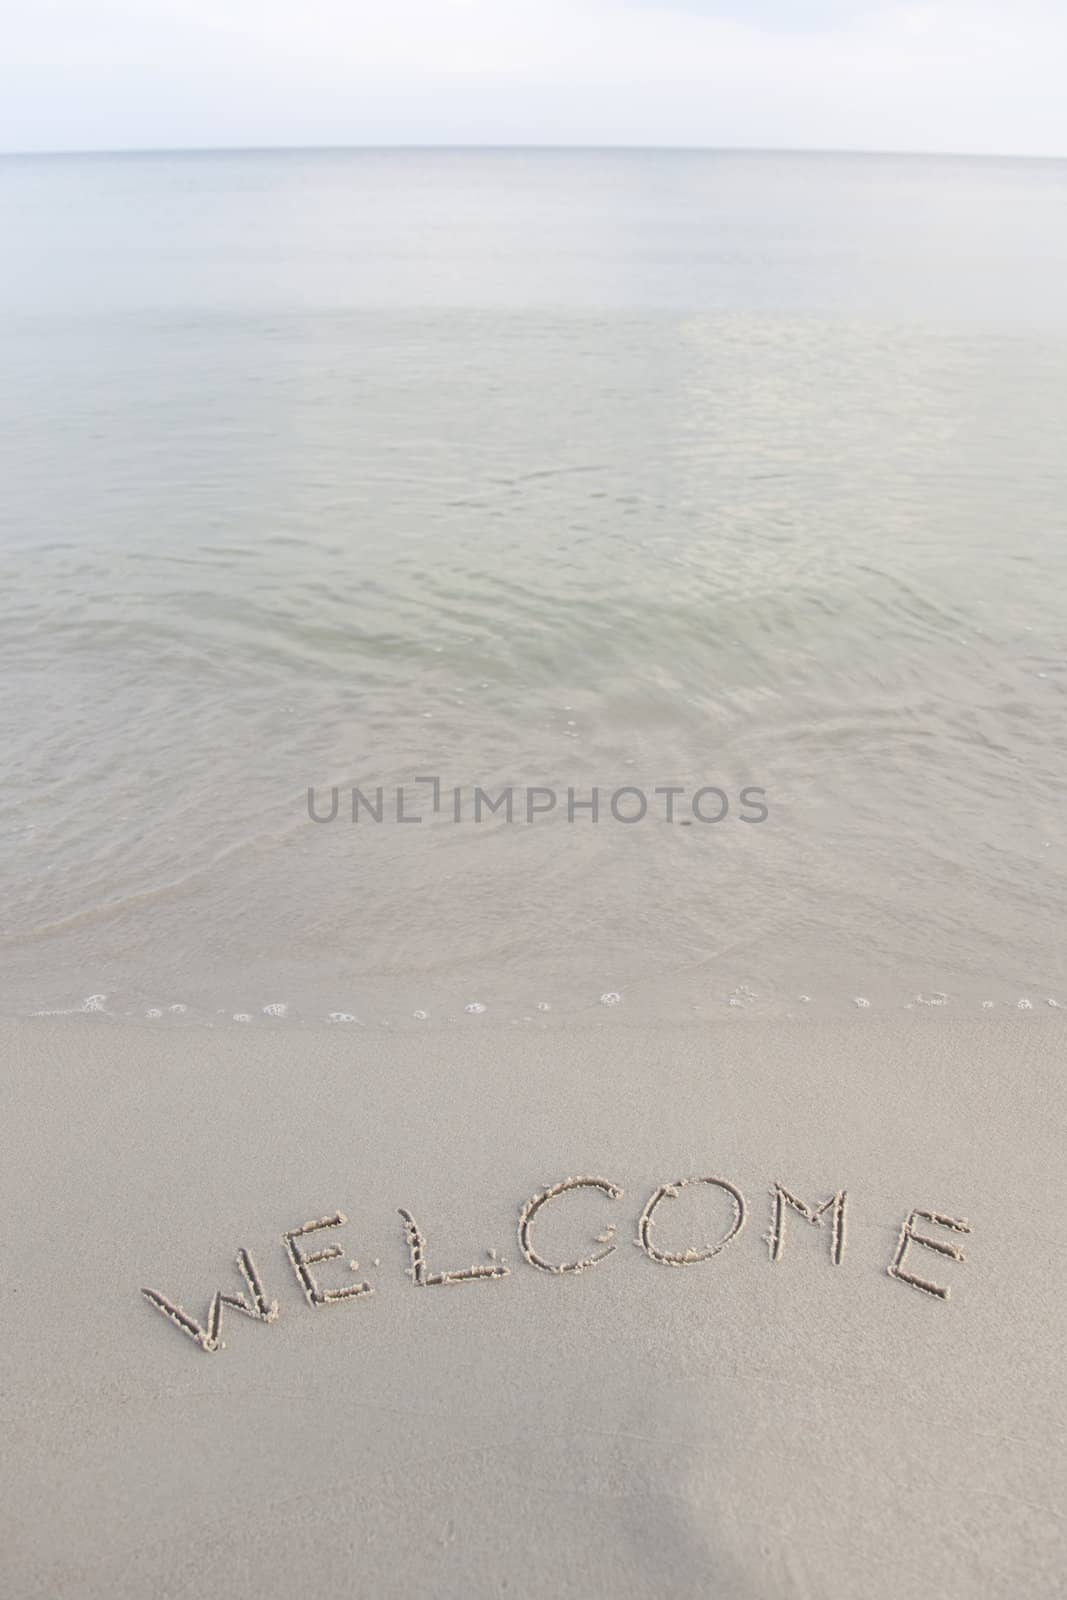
pixel 550 471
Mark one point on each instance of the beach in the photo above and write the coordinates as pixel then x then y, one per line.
pixel 532 978
pixel 752 1410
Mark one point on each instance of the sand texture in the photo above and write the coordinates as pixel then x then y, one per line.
pixel 392 1352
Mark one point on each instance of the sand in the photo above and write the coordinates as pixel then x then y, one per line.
pixel 782 1417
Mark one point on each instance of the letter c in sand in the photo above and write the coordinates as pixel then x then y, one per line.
pixel 533 1206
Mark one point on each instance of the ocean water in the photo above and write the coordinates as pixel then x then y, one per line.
pixel 534 471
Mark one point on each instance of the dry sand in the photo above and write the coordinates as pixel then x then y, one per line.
pixel 736 1426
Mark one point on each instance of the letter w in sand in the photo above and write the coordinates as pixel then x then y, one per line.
pixel 207 1337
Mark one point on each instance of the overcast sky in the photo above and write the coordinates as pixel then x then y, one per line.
pixel 949 75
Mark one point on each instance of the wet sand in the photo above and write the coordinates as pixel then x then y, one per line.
pixel 728 1398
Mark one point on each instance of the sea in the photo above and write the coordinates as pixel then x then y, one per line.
pixel 523 587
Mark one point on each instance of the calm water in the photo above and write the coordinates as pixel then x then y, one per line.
pixel 554 469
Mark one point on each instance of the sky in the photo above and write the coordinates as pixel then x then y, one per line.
pixel 982 76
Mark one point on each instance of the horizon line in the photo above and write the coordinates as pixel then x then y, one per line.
pixel 423 148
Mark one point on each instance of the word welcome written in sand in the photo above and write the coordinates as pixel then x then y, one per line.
pixel 254 1303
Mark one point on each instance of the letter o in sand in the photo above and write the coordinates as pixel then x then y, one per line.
pixel 687 1258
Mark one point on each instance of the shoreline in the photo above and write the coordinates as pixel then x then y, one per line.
pixel 690 999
